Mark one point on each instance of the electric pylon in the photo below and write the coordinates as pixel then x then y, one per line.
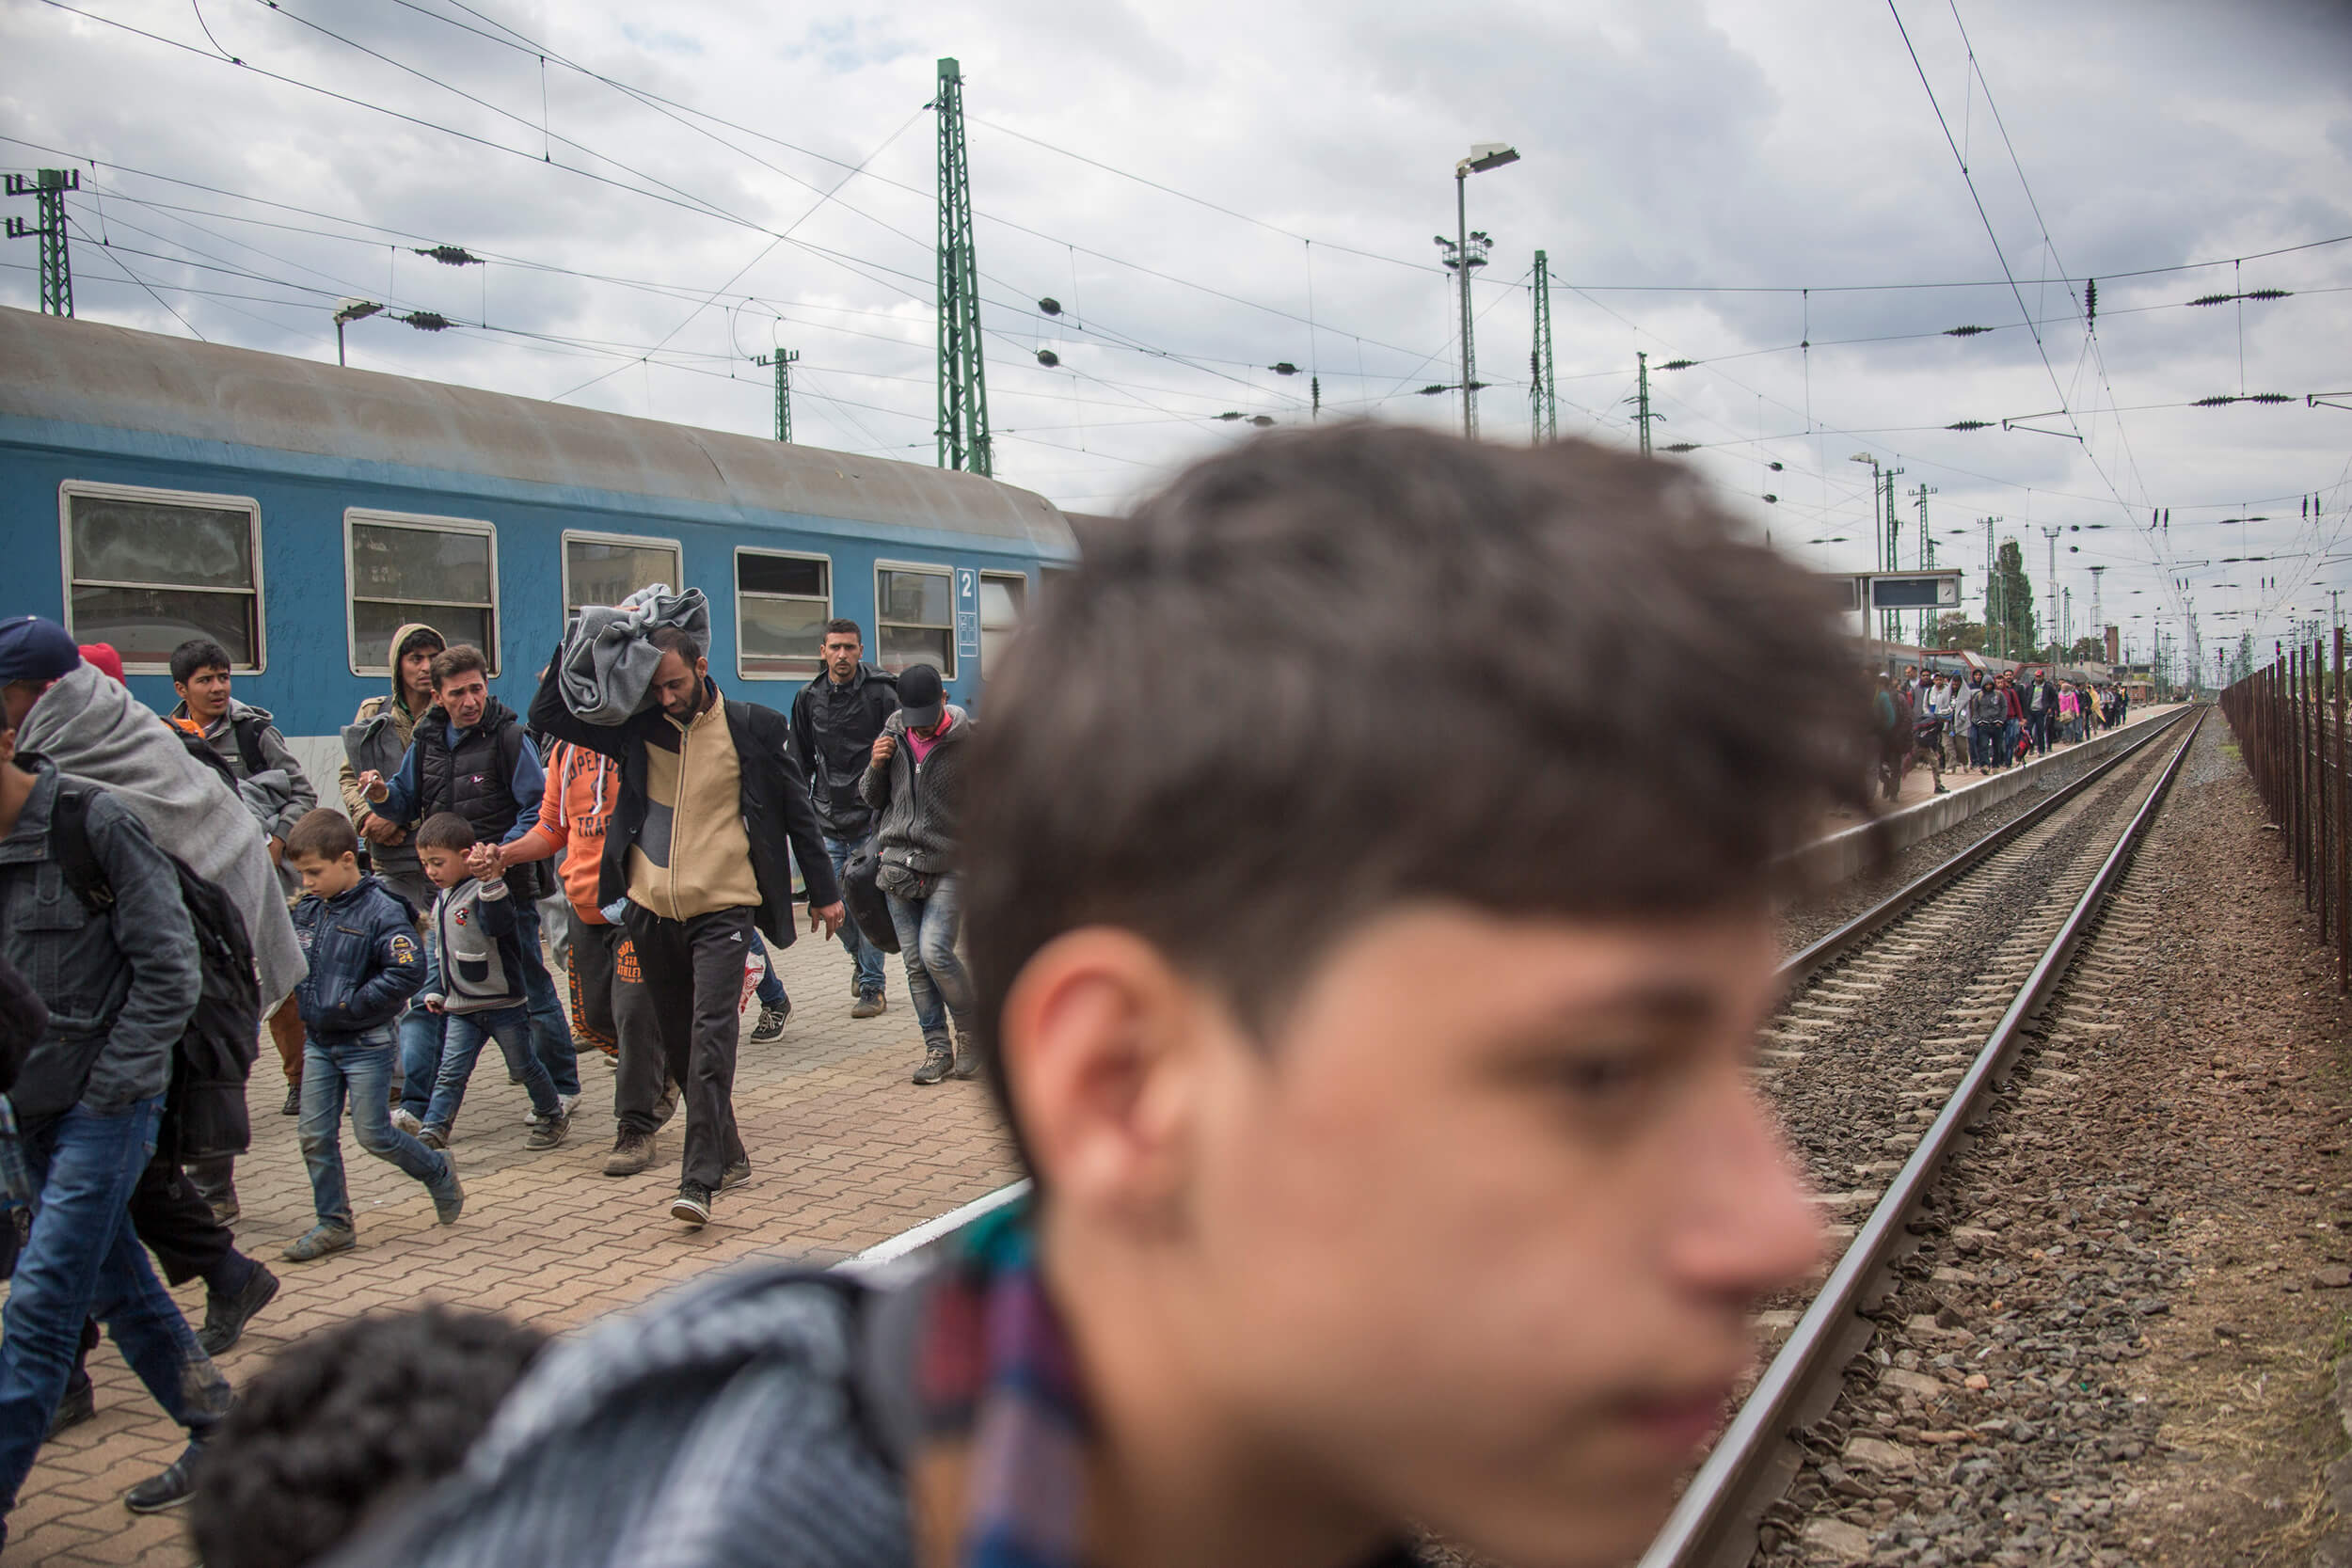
pixel 782 359
pixel 963 440
pixel 1641 400
pixel 1543 393
pixel 48 187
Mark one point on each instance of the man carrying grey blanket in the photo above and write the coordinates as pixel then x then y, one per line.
pixel 605 669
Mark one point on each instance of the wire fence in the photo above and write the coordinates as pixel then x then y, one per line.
pixel 2289 719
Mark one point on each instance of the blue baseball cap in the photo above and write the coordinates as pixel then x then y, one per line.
pixel 32 649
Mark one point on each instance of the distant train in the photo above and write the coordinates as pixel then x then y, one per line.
pixel 154 489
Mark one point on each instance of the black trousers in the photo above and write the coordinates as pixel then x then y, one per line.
pixel 175 1224
pixel 693 979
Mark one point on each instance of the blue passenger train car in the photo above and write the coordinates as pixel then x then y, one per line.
pixel 154 489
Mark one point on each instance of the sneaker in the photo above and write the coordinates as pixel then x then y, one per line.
pixel 737 1174
pixel 449 1199
pixel 225 1316
pixel 967 1056
pixel 175 1486
pixel 293 1101
pixel 78 1404
pixel 692 1207
pixel 870 1003
pixel 432 1137
pixel 567 1101
pixel 551 1133
pixel 407 1121
pixel 770 1024
pixel 939 1060
pixel 319 1241
pixel 631 1153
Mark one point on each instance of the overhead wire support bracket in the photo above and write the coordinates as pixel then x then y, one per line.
pixel 2326 400
pixel 2019 423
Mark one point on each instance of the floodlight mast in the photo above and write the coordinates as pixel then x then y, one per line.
pixel 1482 156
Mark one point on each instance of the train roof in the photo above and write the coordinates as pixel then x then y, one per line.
pixel 87 373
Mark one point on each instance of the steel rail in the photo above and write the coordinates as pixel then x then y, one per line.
pixel 1855 932
pixel 1721 1504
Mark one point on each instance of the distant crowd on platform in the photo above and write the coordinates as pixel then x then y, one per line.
pixel 172 890
pixel 1983 722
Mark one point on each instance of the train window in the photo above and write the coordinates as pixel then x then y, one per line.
pixel 147 570
pixel 914 619
pixel 1003 597
pixel 781 602
pixel 606 568
pixel 443 571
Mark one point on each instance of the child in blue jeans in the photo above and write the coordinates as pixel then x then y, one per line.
pixel 361 939
pixel 477 986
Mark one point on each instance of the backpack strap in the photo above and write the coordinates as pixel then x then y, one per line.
pixel 68 840
pixel 248 729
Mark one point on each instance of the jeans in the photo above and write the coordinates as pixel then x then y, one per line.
pixel 693 979
pixel 2009 734
pixel 83 1261
pixel 770 991
pixel 550 1030
pixel 462 1035
pixel 361 1067
pixel 864 954
pixel 926 941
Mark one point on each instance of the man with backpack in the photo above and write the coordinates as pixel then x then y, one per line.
pixel 121 982
pixel 835 720
pixel 273 787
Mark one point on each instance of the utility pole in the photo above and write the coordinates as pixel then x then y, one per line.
pixel 1543 393
pixel 964 439
pixel 1460 255
pixel 1894 626
pixel 48 187
pixel 2051 534
pixel 782 359
pixel 2097 614
pixel 1640 397
pixel 1991 586
pixel 2066 624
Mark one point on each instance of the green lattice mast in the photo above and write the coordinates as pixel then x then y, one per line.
pixel 1543 394
pixel 56 277
pixel 964 441
pixel 782 359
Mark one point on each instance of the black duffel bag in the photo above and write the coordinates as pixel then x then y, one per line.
pixel 862 893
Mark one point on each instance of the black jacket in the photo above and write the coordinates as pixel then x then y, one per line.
pixel 365 960
pixel 833 735
pixel 776 798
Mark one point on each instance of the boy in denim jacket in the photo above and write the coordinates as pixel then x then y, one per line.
pixel 360 937
pixel 477 984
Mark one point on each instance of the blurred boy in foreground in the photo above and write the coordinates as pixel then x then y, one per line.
pixel 1383 1066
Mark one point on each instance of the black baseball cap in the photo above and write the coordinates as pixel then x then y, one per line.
pixel 920 696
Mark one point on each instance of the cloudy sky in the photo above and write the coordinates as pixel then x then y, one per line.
pixel 1212 190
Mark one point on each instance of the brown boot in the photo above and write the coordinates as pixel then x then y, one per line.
pixel 631 1152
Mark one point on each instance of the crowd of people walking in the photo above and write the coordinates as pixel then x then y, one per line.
pixel 1983 721
pixel 380 946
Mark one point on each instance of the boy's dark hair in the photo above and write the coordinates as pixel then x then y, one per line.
pixel 346 1422
pixel 325 833
pixel 1274 748
pixel 678 641
pixel 456 660
pixel 197 652
pixel 446 829
pixel 842 626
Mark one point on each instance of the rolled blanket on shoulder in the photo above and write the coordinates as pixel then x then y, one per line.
pixel 605 671
pixel 91 726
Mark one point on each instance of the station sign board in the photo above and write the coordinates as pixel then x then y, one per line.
pixel 1931 589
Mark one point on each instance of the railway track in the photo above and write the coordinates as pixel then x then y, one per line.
pixel 1897 1026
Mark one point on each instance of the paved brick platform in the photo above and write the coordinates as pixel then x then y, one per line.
pixel 845 1154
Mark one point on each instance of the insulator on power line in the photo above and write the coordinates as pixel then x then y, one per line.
pixel 1971 424
pixel 1774 466
pixel 1051 306
pixel 1432 391
pixel 427 320
pixel 1965 332
pixel 2269 294
pixel 1231 414
pixel 1048 358
pixel 1770 496
pixel 1283 367
pixel 1682 446
pixel 449 255
pixel 1677 364
pixel 2090 302
pixel 1261 420
pixel 2266 397
pixel 2212 299
pixel 2222 402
